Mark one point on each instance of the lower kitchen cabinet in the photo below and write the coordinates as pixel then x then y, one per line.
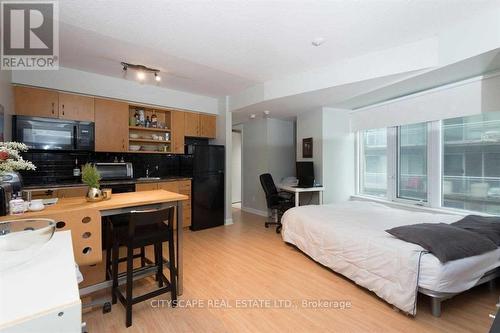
pixel 179 186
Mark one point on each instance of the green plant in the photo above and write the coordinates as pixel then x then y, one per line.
pixel 90 175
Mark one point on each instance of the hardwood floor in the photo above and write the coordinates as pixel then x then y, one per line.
pixel 245 261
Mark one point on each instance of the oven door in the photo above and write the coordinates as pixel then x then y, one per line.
pixel 45 133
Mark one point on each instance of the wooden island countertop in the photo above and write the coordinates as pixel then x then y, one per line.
pixel 84 218
pixel 120 200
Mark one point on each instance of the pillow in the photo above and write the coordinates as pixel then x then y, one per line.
pixel 483 225
pixel 443 240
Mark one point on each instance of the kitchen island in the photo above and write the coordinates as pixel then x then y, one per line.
pixel 84 220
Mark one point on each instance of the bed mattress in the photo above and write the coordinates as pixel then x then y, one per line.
pixel 457 275
pixel 350 239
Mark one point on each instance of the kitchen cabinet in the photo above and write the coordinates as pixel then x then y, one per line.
pixel 179 186
pixel 169 186
pixel 36 102
pixel 200 125
pixel 208 126
pixel 76 107
pixel 185 188
pixel 191 124
pixel 146 187
pixel 72 192
pixel 111 125
pixel 178 132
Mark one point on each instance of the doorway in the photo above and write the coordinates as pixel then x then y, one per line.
pixel 236 168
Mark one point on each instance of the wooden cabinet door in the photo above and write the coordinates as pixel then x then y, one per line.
pixel 169 186
pixel 76 107
pixel 177 133
pixel 146 187
pixel 72 192
pixel 185 188
pixel 111 125
pixel 208 126
pixel 192 124
pixel 36 102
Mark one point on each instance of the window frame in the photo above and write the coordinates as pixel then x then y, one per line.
pixel 435 160
pixel 360 167
pixel 434 182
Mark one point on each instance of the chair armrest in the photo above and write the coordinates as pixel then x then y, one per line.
pixel 286 195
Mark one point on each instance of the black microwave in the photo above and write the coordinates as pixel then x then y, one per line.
pixel 53 134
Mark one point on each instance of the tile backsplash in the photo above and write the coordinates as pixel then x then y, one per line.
pixel 55 167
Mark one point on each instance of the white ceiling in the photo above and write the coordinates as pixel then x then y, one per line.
pixel 221 47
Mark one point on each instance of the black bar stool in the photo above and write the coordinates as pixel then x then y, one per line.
pixel 144 228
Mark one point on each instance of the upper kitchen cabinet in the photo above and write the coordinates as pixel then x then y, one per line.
pixel 76 107
pixel 200 125
pixel 111 125
pixel 178 127
pixel 191 124
pixel 208 126
pixel 36 102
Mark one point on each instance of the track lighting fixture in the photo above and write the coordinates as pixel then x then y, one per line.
pixel 142 70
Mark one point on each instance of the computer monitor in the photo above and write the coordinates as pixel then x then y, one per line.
pixel 305 174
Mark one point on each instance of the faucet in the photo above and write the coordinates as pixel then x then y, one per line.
pixel 147 170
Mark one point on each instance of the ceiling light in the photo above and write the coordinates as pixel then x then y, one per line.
pixel 318 41
pixel 157 77
pixel 267 112
pixel 252 116
pixel 140 75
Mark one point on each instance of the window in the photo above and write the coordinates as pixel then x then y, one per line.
pixel 471 163
pixel 373 162
pixel 454 163
pixel 412 162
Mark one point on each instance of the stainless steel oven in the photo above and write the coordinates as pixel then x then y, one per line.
pixel 53 134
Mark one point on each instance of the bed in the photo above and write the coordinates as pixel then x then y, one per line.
pixel 350 239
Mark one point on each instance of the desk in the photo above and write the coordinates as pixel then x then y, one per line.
pixel 298 190
pixel 80 215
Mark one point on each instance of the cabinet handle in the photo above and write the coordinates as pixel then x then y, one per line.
pixel 63 109
pixel 53 107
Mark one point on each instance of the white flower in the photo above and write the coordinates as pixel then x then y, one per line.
pixel 11 159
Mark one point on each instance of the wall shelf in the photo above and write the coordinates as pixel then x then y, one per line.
pixel 149 141
pixel 149 152
pixel 150 129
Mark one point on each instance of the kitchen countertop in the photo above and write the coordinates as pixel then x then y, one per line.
pixel 120 200
pixel 106 182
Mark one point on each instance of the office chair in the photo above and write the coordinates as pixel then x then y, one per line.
pixel 276 201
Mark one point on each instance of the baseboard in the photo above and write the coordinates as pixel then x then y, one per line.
pixel 228 221
pixel 254 211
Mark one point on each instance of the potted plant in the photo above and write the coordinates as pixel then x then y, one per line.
pixel 91 177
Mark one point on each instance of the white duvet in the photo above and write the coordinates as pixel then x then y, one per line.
pixel 350 239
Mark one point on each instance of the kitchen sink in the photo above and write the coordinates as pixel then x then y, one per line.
pixel 148 178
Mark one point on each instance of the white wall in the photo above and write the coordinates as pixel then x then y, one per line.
pixel 281 148
pixel 333 151
pixel 468 97
pixel 268 146
pixel 338 156
pixel 255 163
pixel 7 101
pixel 310 125
pixel 236 167
pixel 224 137
pixel 73 80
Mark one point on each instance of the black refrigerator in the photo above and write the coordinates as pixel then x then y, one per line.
pixel 208 162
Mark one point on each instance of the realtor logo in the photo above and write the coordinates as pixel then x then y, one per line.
pixel 30 35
